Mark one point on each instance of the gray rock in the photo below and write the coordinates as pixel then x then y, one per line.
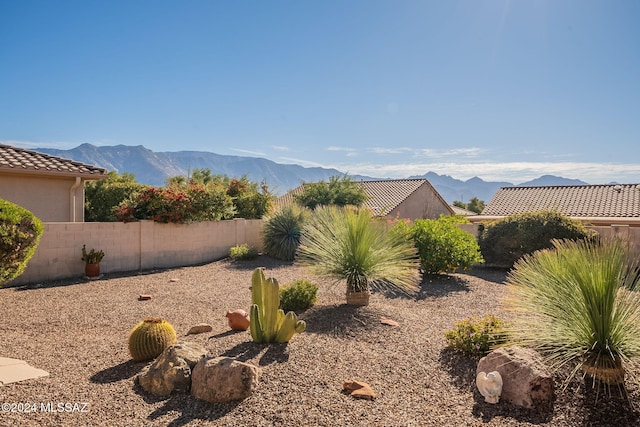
pixel 223 379
pixel 200 328
pixel 171 371
pixel 526 379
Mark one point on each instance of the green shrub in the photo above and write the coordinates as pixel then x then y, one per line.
pixel 476 335
pixel 298 295
pixel 20 233
pixel 505 241
pixel 104 196
pixel 243 252
pixel 442 246
pixel 281 232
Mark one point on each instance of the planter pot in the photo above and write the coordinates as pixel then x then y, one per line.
pixel 92 270
pixel 611 373
pixel 358 298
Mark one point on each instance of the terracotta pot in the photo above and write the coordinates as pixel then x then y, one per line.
pixel 358 298
pixel 238 320
pixel 92 270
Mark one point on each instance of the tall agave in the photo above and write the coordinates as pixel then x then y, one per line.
pixel 578 305
pixel 281 232
pixel 347 244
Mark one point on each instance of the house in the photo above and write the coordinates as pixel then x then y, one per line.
pixel 52 188
pixel 598 205
pixel 396 198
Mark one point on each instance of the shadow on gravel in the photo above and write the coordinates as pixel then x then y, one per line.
pixel 245 351
pixel 188 407
pixel 264 261
pixel 345 321
pixel 490 274
pixel 441 286
pixel 117 373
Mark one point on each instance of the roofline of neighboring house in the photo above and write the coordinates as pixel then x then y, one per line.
pixel 602 220
pixel 55 173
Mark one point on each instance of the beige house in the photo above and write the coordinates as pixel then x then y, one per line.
pixel 52 188
pixel 598 205
pixel 396 198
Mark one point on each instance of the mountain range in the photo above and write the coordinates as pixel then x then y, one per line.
pixel 154 168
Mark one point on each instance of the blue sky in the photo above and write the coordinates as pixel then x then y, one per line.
pixel 503 90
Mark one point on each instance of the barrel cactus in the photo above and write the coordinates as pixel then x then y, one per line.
pixel 267 322
pixel 149 338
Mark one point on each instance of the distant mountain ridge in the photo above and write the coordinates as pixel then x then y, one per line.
pixel 154 168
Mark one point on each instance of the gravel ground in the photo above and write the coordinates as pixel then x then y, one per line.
pixel 77 330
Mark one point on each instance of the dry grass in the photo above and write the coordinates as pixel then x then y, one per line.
pixel 77 330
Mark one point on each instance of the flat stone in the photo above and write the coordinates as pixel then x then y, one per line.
pixel 358 390
pixel 144 297
pixel 14 370
pixel 389 322
pixel 200 328
pixel 223 379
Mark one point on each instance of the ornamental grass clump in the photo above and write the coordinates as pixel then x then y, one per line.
pixel 476 335
pixel 578 305
pixel 281 232
pixel 348 245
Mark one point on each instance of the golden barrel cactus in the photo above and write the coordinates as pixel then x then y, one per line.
pixel 149 338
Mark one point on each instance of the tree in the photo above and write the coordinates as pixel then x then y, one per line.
pixel 102 197
pixel 339 191
pixel 475 205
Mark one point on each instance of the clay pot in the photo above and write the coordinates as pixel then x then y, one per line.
pixel 358 298
pixel 238 320
pixel 92 270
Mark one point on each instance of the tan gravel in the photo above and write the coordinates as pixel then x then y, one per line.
pixel 77 330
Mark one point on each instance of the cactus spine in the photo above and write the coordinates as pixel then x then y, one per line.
pixel 268 323
pixel 149 338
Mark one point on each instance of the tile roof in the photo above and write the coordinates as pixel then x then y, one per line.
pixel 610 200
pixel 383 195
pixel 13 159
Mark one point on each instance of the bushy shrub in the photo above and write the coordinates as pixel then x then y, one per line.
pixel 178 204
pixel 298 295
pixel 339 191
pixel 20 233
pixel 505 241
pixel 243 252
pixel 442 246
pixel 281 232
pixel 476 335
pixel 104 196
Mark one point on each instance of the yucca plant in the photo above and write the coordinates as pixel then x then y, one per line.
pixel 348 245
pixel 281 232
pixel 578 305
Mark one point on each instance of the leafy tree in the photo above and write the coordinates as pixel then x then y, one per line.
pixel 250 199
pixel 339 191
pixel 20 233
pixel 475 205
pixel 102 197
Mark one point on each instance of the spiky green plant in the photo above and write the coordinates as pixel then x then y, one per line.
pixel 347 244
pixel 149 338
pixel 578 305
pixel 281 232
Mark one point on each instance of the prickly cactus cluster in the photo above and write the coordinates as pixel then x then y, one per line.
pixel 149 338
pixel 268 322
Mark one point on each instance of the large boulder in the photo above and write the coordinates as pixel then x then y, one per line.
pixel 223 379
pixel 526 379
pixel 171 371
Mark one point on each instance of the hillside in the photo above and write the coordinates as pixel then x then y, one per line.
pixel 154 168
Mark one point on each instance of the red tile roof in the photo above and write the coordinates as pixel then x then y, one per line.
pixel 610 200
pixel 13 159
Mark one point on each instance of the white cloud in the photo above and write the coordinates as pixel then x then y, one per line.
pixel 61 145
pixel 345 149
pixel 443 153
pixel 386 150
pixel 280 147
pixel 515 172
pixel 250 152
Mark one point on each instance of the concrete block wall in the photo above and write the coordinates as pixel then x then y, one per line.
pixel 134 246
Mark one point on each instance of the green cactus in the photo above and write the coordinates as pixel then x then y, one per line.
pixel 267 322
pixel 149 338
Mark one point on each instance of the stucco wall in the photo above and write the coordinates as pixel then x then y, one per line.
pixel 50 198
pixel 134 246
